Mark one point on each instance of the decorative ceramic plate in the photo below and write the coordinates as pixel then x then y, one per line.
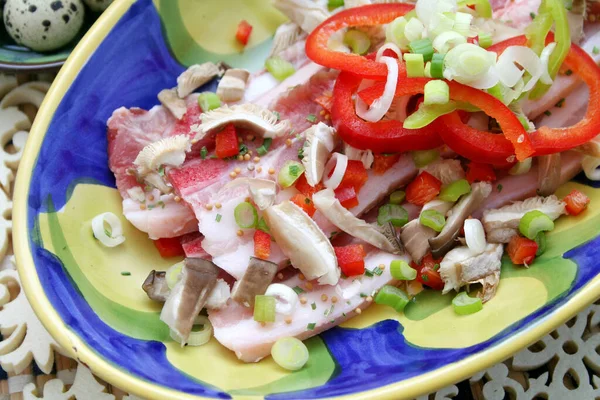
pixel 105 320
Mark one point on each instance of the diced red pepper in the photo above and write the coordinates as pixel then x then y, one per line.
pixel 347 196
pixel 227 142
pixel 355 175
pixel 576 202
pixel 427 272
pixel 423 189
pixel 477 172
pixel 305 203
pixel 521 250
pixel 169 247
pixel 383 162
pixel 244 30
pixel 351 259
pixel 262 244
pixel 303 187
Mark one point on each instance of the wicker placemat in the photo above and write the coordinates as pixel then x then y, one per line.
pixel 562 365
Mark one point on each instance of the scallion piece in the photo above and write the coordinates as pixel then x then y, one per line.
pixel 208 101
pixel 535 222
pixel 402 271
pixel 397 197
pixel 289 172
pixel 415 65
pixel 437 66
pixel 333 4
pixel 454 190
pixel 290 353
pixel 485 40
pixel 264 308
pixel 203 152
pixel 436 92
pixel 427 114
pixel 422 46
pixel 393 213
pixel 279 68
pixel 483 7
pixel 245 215
pixel 358 41
pixel 422 158
pixel 465 305
pixel 433 219
pixel 262 225
pixel 395 32
pixel 540 239
pixel 427 70
pixel 264 148
pixel 393 297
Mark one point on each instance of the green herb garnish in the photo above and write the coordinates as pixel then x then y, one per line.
pixel 218 217
pixel 311 326
pixel 298 289
pixel 311 118
pixel 203 152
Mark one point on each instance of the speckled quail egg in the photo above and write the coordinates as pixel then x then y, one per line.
pixel 43 25
pixel 98 5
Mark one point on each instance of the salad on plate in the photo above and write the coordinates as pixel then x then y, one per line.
pixel 384 150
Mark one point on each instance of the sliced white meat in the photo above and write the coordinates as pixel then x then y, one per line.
pixel 235 328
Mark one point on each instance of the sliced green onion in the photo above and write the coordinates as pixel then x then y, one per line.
pixel 433 219
pixel 393 213
pixel 358 41
pixel 520 168
pixel 448 40
pixel 462 23
pixel 245 215
pixel 422 46
pixel 264 308
pixel 437 66
pixel 290 353
pixel 173 274
pixel 397 197
pixel 465 305
pixel 540 239
pixel 422 158
pixel 469 64
pixel 393 297
pixel 427 70
pixel 427 114
pixel 402 271
pixel 444 23
pixel 436 92
pixel 208 101
pixel 264 148
pixel 262 225
pixel 394 32
pixel 535 222
pixel 482 7
pixel 201 332
pixel 454 190
pixel 289 172
pixel 279 68
pixel 485 40
pixel 538 29
pixel 415 67
pixel 414 29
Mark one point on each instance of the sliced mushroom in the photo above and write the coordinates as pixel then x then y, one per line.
pixel 307 14
pixel 461 267
pixel 196 76
pixel 446 170
pixel 548 174
pixel 156 286
pixel 262 191
pixel 503 223
pixel 233 85
pixel 176 105
pixel 169 151
pixel 489 286
pixel 286 35
pixel 440 206
pixel 246 116
pixel 446 239
pixel 256 280
pixel 364 156
pixel 155 180
pixel 326 202
pixel 320 142
pixel 415 238
pixel 303 242
pixel 189 296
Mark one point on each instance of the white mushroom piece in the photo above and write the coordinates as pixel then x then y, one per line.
pixel 446 170
pixel 286 35
pixel 461 266
pixel 503 223
pixel 233 85
pixel 246 116
pixel 307 14
pixel 303 242
pixel 262 191
pixel 172 102
pixel 189 296
pixel 320 142
pixel 548 174
pixel 364 156
pixel 326 202
pixel 196 76
pixel 256 280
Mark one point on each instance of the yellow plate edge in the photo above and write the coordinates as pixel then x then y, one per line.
pixel 77 349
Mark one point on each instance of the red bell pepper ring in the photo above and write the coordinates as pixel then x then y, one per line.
pixel 375 14
pixel 382 136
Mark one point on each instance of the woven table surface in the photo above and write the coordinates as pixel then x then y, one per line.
pixel 564 364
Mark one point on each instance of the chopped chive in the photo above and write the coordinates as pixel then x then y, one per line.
pixel 107 233
pixel 311 118
pixel 532 15
pixel 377 271
pixel 332 321
pixel 313 306
pixel 298 289
pixel 243 150
pixel 560 103
pixel 499 187
pixel 596 50
pixel 203 152
pixel 436 267
pixel 161 204
pixel 363 295
pixel 301 153
pixel 568 72
pixel 264 148
pixel 311 326
pixel 547 113
pixel 343 314
pixel 368 273
pixel 161 170
pixel 424 277
pixel 328 312
pixel 126 273
pixel 218 217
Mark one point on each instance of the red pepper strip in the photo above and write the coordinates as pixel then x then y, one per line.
pixel 351 259
pixel 375 14
pixel 382 136
pixel 262 244
pixel 169 247
pixel 469 142
pixel 548 140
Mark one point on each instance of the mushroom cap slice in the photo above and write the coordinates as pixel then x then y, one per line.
pixel 156 286
pixel 233 85
pixel 320 142
pixel 256 280
pixel 308 14
pixel 286 35
pixel 415 238
pixel 262 191
pixel 548 174
pixel 301 239
pixel 196 76
pixel 176 105
pixel 168 151
pixel 326 202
